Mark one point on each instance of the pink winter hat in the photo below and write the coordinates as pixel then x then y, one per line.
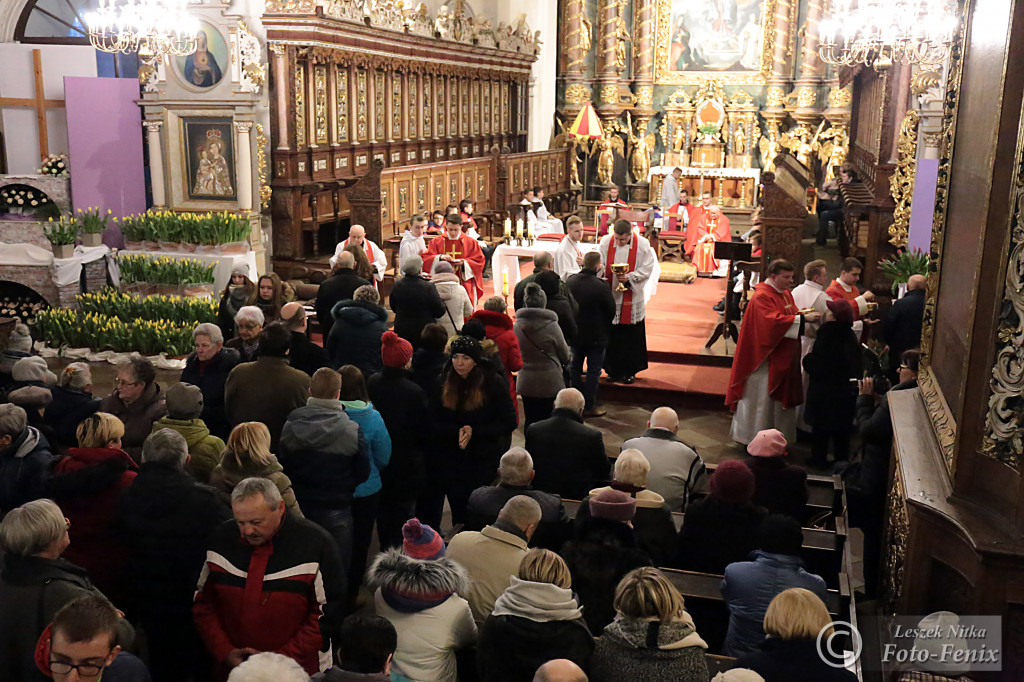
pixel 768 443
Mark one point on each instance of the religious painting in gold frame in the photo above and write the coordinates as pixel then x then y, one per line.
pixel 732 40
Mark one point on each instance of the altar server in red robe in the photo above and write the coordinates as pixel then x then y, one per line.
pixel 456 246
pixel 683 214
pixel 765 386
pixel 606 212
pixel 845 287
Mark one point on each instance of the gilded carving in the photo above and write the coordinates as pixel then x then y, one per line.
pixel 396 105
pixel 290 7
pixel 362 107
pixel 577 93
pixel 840 98
pixel 642 144
pixel 300 105
pixel 475 103
pixel 453 107
pixel 341 89
pixel 581 35
pixel 901 182
pixel 776 97
pixel 496 107
pixel 770 146
pixel 645 95
pixel 261 165
pixel 428 100
pixel 938 411
pixel 320 104
pixel 798 141
pixel 832 146
pixel 467 185
pixel 403 201
pixel 253 71
pixel 897 531
pixel 806 97
pixel 924 81
pixel 464 110
pixel 379 105
pixel 383 205
pixel 605 158
pixel 610 93
pixel 439 194
pixel 421 196
pixel 453 190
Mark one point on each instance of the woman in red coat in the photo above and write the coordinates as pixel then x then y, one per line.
pixel 498 327
pixel 87 484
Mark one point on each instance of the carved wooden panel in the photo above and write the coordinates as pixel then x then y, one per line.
pixel 380 131
pixel 341 103
pixel 300 104
pixel 362 107
pixel 481 185
pixel 453 106
pixel 496 107
pixel 385 199
pixel 464 97
pixel 467 184
pixel 396 105
pixel 475 103
pixel 485 102
pixel 427 129
pixel 404 188
pixel 421 195
pixel 439 201
pixel 413 106
pixel 320 120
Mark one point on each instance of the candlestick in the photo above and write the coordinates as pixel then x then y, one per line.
pixel 527 233
pixel 519 227
pixel 504 282
pixel 508 227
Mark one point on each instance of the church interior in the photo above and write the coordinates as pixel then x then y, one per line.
pixel 255 134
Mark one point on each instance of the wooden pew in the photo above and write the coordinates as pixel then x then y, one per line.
pixel 718 664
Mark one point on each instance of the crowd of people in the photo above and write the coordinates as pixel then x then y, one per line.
pixel 221 527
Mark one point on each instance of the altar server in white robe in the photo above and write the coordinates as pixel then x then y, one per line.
pixel 627 342
pixel 569 254
pixel 807 295
pixel 553 225
pixel 413 243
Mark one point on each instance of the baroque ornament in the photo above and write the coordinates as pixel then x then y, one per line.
pixel 901 183
pixel 577 93
pixel 261 164
pixel 840 98
pixel 776 97
pixel 254 71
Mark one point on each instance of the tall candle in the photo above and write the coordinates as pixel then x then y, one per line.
pixel 508 227
pixel 519 227
pixel 504 282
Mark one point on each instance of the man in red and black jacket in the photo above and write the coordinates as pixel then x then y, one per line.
pixel 280 587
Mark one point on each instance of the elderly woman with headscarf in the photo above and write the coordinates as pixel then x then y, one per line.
pixel 239 292
pixel 473 417
pixel 36 582
pixel 414 301
pixel 544 353
pixel 456 301
pixel 249 321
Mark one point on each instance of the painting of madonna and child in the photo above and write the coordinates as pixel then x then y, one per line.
pixel 716 35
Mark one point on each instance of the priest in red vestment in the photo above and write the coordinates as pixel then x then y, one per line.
pixel 454 246
pixel 712 226
pixel 683 214
pixel 606 212
pixel 845 287
pixel 765 385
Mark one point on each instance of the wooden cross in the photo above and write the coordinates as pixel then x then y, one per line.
pixel 38 102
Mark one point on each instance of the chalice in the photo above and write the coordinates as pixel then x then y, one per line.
pixel 620 270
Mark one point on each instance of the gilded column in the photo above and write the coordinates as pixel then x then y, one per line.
pixel 808 112
pixel 642 142
pixel 244 165
pixel 156 163
pixel 811 66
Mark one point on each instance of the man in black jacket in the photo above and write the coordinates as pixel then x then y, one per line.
pixel 208 368
pixel 338 287
pixel 304 354
pixel 902 326
pixel 594 321
pixel 166 519
pixel 324 454
pixel 515 473
pixel 415 302
pixel 542 261
pixel 568 456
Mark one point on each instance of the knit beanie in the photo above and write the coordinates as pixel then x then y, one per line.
pixel 732 482
pixel 184 401
pixel 420 541
pixel 394 350
pixel 548 282
pixel 841 310
pixel 20 339
pixel 780 534
pixel 613 505
pixel 466 345
pixel 35 397
pixel 444 268
pixel 768 443
pixel 33 368
pixel 534 296
pixel 475 328
pixel 241 268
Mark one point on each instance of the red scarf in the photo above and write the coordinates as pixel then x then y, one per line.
pixel 627 295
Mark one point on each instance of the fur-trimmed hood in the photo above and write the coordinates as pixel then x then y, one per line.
pixel 412 585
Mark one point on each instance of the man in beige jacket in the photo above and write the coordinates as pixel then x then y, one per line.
pixel 492 556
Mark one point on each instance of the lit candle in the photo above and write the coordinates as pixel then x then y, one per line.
pixel 504 282
pixel 508 227
pixel 519 227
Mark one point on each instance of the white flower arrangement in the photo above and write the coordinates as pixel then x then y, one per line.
pixel 55 164
pixel 22 198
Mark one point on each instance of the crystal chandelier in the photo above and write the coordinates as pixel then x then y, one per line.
pixel 878 33
pixel 149 27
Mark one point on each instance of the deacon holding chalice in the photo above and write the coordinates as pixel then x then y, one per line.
pixel 629 262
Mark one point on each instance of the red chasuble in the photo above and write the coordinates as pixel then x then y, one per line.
pixel 673 223
pixel 701 224
pixel 768 317
pixel 836 291
pixel 464 248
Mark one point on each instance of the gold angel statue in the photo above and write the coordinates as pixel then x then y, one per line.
pixel 563 139
pixel 642 143
pixel 831 147
pixel 605 157
pixel 739 147
pixel 586 34
pixel 770 148
pixel 797 140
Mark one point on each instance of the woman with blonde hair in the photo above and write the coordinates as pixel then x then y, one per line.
pixel 790 653
pixel 72 402
pixel 248 454
pixel 537 617
pixel 87 484
pixel 652 637
pixel 36 582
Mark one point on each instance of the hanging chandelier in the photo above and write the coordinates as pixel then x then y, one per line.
pixel 149 27
pixel 878 33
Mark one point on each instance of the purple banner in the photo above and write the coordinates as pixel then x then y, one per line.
pixel 105 147
pixel 922 209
